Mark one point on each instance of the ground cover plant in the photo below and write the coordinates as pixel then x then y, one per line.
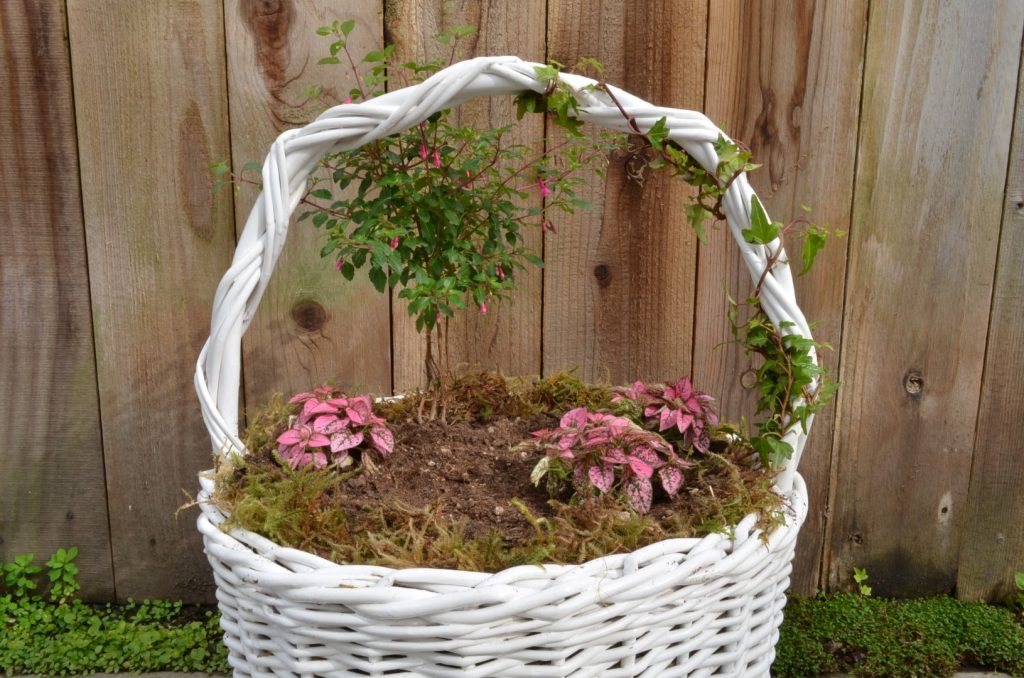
pixel 45 629
pixel 865 636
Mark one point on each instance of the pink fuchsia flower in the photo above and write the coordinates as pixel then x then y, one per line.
pixel 394 243
pixel 437 158
pixel 543 186
pixel 483 308
pixel 501 273
pixel 348 99
pixel 340 264
pixel 546 226
pixel 423 151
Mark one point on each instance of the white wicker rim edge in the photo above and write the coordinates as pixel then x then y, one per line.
pixel 708 606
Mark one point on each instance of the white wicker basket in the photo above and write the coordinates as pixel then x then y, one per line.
pixel 681 607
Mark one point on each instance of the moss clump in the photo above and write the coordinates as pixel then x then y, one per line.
pixel 301 508
pixel 864 636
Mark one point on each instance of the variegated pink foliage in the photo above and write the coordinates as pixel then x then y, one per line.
pixel 604 452
pixel 677 411
pixel 329 425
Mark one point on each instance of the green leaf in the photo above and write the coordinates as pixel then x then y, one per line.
pixel 347 26
pixel 329 60
pixel 658 133
pixel 1018 579
pixel 534 259
pixel 348 271
pixel 378 278
pixel 697 215
pixel 761 231
pixel 772 450
pixel 323 30
pixel 814 241
pixel 321 193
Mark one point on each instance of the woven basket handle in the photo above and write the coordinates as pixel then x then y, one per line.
pixel 297 153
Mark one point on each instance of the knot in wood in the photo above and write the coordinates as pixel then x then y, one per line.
pixel 603 275
pixel 748 379
pixel 913 383
pixel 310 315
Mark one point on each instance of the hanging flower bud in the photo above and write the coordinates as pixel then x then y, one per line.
pixel 501 273
pixel 423 151
pixel 437 158
pixel 394 243
pixel 483 308
pixel 544 190
pixel 348 99
pixel 341 262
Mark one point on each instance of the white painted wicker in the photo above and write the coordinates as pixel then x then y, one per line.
pixel 681 607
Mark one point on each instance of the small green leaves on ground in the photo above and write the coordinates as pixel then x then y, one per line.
pixel 59 635
pixel 872 637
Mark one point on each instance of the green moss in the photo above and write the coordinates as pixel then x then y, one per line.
pixel 913 639
pixel 294 507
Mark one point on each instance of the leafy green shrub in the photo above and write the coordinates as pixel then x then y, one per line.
pixel 60 635
pixel 900 639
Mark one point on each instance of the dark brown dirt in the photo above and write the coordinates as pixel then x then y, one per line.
pixel 471 468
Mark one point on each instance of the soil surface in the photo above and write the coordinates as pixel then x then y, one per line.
pixel 471 467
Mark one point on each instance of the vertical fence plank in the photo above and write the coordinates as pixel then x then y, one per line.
pixel 993 539
pixel 508 337
pixel 939 89
pixel 619 282
pixel 150 99
pixel 313 326
pixel 52 491
pixel 784 77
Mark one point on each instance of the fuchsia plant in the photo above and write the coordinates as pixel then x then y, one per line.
pixel 601 451
pixel 329 426
pixel 677 409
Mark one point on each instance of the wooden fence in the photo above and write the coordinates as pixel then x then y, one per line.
pixel 897 121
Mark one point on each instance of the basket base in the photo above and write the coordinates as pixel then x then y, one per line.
pixel 706 607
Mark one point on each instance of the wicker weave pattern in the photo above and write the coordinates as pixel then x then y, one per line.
pixel 682 607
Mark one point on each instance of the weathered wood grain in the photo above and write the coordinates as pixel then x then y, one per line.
pixel 784 78
pixel 52 491
pixel 620 279
pixel 313 326
pixel 992 548
pixel 939 87
pixel 151 106
pixel 508 337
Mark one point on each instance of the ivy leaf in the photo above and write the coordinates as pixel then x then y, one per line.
pixel 658 133
pixel 772 450
pixel 761 231
pixel 813 242
pixel 697 215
